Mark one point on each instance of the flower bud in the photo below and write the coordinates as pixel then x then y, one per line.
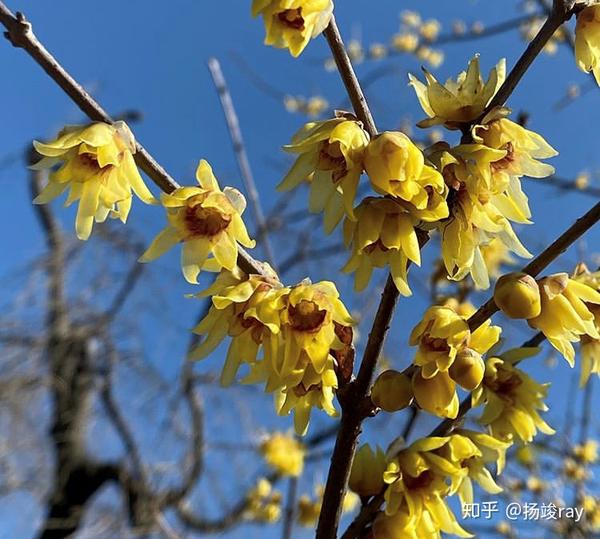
pixel 467 369
pixel 392 391
pixel 366 476
pixel 518 295
pixel 436 395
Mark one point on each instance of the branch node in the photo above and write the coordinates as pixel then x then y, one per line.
pixel 18 33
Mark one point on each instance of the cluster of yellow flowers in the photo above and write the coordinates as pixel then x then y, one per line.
pixel 565 309
pixel 417 480
pixel 298 328
pixel 296 340
pixel 414 36
pixel 448 354
pixel 284 454
pixel 470 192
pixel 312 107
pixel 263 503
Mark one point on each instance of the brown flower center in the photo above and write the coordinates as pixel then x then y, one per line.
pixel 505 385
pixel 306 316
pixel 90 161
pixel 434 344
pixel 423 480
pixel 331 157
pixel 208 222
pixel 372 247
pixel 506 161
pixel 292 18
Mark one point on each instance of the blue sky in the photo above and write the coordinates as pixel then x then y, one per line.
pixel 151 56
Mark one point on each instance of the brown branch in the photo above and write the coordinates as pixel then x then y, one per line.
pixel 562 11
pixel 20 34
pixel 344 65
pixel 235 132
pixel 290 509
pixel 544 259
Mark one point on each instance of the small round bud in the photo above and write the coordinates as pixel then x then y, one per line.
pixel 392 391
pixel 518 295
pixel 366 475
pixel 436 395
pixel 467 369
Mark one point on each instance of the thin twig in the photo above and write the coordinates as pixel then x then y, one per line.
pixel 561 12
pixel 543 260
pixel 290 509
pixel 235 132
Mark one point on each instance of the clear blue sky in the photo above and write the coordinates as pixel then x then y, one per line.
pixel 151 56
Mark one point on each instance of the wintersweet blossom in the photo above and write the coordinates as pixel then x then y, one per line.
pixel 97 168
pixel 512 399
pixel 291 24
pixel 207 221
pixel 565 316
pixel 587 40
pixel 383 235
pixel 284 454
pixel 461 101
pixel 330 153
pixel 419 479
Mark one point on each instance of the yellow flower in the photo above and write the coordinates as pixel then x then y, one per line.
pixel 405 42
pixel 366 476
pixel 565 316
pixel 473 451
pixel 587 40
pixel 291 24
pixel 430 29
pixel 246 309
pixel 284 454
pixel 443 333
pixel 99 170
pixel 590 347
pixel 436 395
pixel 524 148
pixel 308 511
pixel 574 471
pixel 315 106
pixel 461 101
pixel 332 151
pixel 207 221
pixel 512 399
pixel 382 235
pixel 481 207
pixel 517 295
pixel 396 167
pixel 419 479
pixel 439 335
pixel 526 456
pixel 495 255
pixel 263 504
pixel 410 18
pixel 308 325
pixel 299 362
pixel 392 391
pixel 590 353
pixel 587 452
